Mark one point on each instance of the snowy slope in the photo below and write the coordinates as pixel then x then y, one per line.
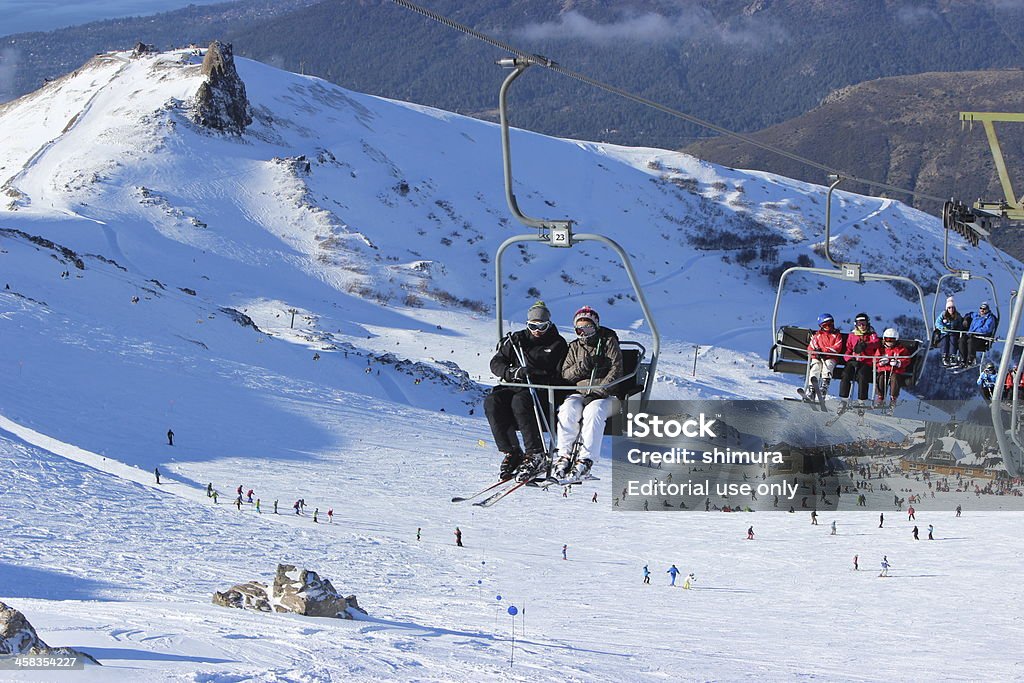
pixel 185 252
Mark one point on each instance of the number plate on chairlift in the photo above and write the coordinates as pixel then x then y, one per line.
pixel 561 236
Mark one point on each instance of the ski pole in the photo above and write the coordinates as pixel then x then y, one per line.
pixel 542 422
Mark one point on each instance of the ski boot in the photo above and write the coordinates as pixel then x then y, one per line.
pixel 513 460
pixel 581 470
pixel 561 468
pixel 823 388
pixel 534 465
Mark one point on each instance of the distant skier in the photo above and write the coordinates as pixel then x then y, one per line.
pixel 690 580
pixel 239 490
pixel 957 510
pixel 915 532
pixel 238 503
pixel 214 494
pixel 209 490
pixel 856 567
pixel 980 331
pixel 673 571
pixel 511 408
pixel 750 534
pixel 275 507
pixel 458 537
pixel 987 381
pixel 170 438
pixel 564 549
pixel 885 566
pixel 296 506
pixel 593 359
pixel 881 519
pixel 316 515
pixel 258 506
pixel 814 517
pixel 418 530
pixel 930 530
pixel 647 574
pixel 330 515
pixel 594 499
pixel 250 495
pixel 156 471
pixel 910 513
pixel 833 528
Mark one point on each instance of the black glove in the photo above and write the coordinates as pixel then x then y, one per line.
pixel 515 375
pixel 860 346
pixel 599 364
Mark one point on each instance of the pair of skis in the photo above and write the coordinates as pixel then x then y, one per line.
pixel 507 486
pixel 815 397
pixel 504 487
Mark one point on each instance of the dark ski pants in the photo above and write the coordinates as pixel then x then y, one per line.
pixel 509 410
pixel 859 371
pixel 890 384
pixel 970 345
pixel 948 344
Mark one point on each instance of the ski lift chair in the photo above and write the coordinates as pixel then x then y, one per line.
pixel 788 353
pixel 638 369
pixel 950 216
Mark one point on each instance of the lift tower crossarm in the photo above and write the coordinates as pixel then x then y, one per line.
pixel 1014 208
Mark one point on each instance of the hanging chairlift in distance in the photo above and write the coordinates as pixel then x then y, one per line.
pixel 788 353
pixel 979 220
pixel 953 220
pixel 638 370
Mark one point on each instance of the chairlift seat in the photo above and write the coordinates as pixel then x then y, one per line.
pixel 789 354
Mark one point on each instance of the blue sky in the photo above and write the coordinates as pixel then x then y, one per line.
pixel 20 16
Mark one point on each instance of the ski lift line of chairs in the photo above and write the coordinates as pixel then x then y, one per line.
pixel 790 355
pixel 638 370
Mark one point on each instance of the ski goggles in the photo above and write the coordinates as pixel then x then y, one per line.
pixel 538 325
pixel 586 330
pixel 861 321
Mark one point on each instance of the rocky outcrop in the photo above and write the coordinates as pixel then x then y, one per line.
pixel 250 595
pixel 300 591
pixel 221 103
pixel 17 637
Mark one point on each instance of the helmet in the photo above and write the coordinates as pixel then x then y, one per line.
pixel 891 333
pixel 862 317
pixel 990 367
pixel 825 318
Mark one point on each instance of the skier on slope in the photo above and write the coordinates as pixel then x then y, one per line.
pixel 673 571
pixel 824 349
pixel 647 574
pixel 594 359
pixel 885 566
pixel 512 408
pixel 862 346
pixel 690 580
pixel 892 366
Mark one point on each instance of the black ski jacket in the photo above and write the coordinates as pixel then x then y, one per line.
pixel 544 356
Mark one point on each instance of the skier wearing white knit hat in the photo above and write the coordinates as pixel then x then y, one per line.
pixel 594 360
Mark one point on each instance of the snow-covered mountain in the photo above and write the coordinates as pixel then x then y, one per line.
pixel 150 273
